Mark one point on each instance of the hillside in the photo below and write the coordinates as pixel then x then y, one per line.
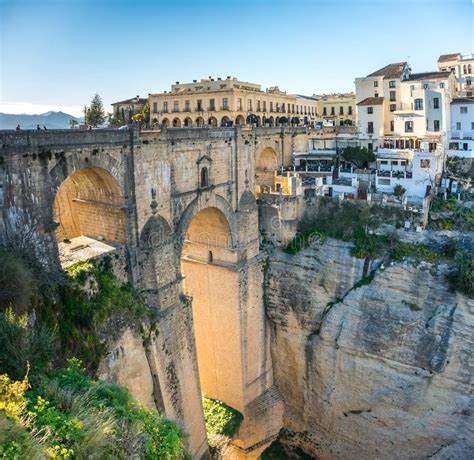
pixel 52 120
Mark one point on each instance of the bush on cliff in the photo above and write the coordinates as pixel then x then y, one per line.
pixel 69 415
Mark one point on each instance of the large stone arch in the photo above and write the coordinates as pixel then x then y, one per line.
pixel 81 160
pixel 90 203
pixel 207 199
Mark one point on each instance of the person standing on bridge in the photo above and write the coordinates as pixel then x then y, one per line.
pixel 18 128
pixel 38 127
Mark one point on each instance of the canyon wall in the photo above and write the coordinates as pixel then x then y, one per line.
pixel 379 368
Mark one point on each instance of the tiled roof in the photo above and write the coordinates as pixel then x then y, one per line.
pixel 133 100
pixel 448 57
pixel 372 101
pixel 394 70
pixel 428 75
pixel 463 100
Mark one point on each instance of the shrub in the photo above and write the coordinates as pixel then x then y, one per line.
pixel 463 278
pixel 17 284
pixel 399 190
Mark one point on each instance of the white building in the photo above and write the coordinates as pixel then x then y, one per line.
pixel 377 96
pixel 461 141
pixel 462 66
pixel 417 171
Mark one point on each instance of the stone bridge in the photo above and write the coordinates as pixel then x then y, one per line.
pixel 181 203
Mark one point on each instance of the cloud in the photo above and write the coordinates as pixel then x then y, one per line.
pixel 35 109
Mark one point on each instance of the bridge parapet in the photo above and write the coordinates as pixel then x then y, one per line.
pixel 13 141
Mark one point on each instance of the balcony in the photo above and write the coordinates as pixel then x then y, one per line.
pixel 165 110
pixel 187 109
pixel 225 107
pixel 175 110
pixel 211 108
pixel 199 108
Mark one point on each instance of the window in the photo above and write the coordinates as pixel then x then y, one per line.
pixel 225 103
pixel 155 107
pixel 441 85
pixel 199 105
pixel 212 104
pixel 408 126
pixel 391 84
pixel 341 110
pixel 376 84
pixel 249 105
pixel 370 110
pixel 426 86
pixel 468 82
pixel 239 104
pixel 458 126
pixel 187 106
pixel 384 162
pixel 435 125
pixel 393 95
pixel 325 112
pixel 436 103
pixel 376 94
pixel 333 110
pixel 176 106
pixel 463 109
pixel 395 163
pixel 464 68
pixel 472 125
pixel 370 146
pixel 165 107
pixel 469 69
pixel 264 106
pixel 393 107
pixel 464 146
pixel 418 104
pixel 271 106
pixel 204 177
pixel 349 110
pixel 370 127
pixel 424 163
pixel 392 125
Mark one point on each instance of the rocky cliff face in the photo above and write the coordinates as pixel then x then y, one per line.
pixel 378 369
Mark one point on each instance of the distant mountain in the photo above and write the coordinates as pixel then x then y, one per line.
pixel 52 120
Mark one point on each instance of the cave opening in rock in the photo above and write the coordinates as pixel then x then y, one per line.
pixel 208 265
pixel 89 210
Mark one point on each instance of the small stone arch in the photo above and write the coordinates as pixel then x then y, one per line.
pixel 176 123
pixel 271 120
pixel 188 122
pixel 165 122
pixel 200 122
pixel 266 165
pixel 155 233
pixel 247 202
pixel 240 120
pixel 225 121
pixel 212 121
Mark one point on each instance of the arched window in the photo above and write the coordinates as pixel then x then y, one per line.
pixel 469 69
pixel 204 177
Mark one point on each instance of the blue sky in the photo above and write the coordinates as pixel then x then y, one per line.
pixel 58 53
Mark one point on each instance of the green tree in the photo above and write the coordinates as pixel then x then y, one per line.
pixel 358 156
pixel 95 114
pixel 73 123
pixel 399 190
pixel 146 113
pixel 283 120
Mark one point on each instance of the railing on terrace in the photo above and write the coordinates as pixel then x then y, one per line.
pixel 395 174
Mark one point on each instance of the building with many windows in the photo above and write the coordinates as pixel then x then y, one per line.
pixel 229 101
pixel 462 66
pixel 338 109
pixel 377 96
pixel 461 141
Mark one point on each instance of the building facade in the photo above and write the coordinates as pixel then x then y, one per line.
pixel 124 110
pixel 462 66
pixel 226 102
pixel 337 109
pixel 461 139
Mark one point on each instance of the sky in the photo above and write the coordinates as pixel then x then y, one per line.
pixel 56 54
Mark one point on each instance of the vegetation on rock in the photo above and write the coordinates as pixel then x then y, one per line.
pixel 222 422
pixel 50 405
